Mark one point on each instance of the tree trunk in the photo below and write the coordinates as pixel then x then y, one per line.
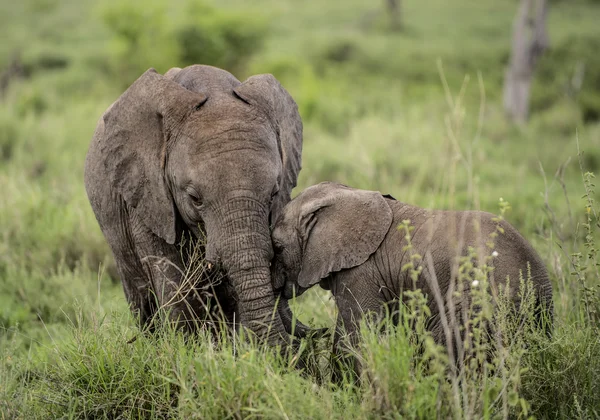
pixel 530 39
pixel 393 9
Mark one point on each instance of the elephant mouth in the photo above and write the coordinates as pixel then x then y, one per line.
pixel 290 291
pixel 285 291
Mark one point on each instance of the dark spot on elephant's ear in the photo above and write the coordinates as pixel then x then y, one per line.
pixel 389 196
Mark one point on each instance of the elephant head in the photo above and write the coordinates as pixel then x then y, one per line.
pixel 196 149
pixel 329 227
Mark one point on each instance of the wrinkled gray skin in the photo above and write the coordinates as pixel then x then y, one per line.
pixel 196 152
pixel 347 241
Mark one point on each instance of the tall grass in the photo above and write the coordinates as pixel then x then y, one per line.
pixel 100 372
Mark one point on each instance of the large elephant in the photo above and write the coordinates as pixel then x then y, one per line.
pixel 348 241
pixel 196 152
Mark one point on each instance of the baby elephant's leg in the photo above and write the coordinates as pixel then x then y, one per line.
pixel 345 364
pixel 355 301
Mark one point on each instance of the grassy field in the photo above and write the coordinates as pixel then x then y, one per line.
pixel 416 113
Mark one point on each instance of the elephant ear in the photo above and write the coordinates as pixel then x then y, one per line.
pixel 267 93
pixel 340 228
pixel 132 137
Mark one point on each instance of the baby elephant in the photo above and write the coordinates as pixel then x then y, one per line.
pixel 348 241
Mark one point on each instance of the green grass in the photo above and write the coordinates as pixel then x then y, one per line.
pixel 415 113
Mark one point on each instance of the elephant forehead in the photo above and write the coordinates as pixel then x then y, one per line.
pixel 225 107
pixel 229 121
pixel 249 164
pixel 289 215
pixel 285 231
pixel 235 145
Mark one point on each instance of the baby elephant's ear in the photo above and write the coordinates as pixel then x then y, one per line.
pixel 340 228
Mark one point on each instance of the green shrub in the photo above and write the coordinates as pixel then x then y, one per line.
pixel 45 230
pixel 560 379
pixel 219 38
pixel 9 134
pixel 148 34
pixel 570 69
pixel 141 38
pixel 30 298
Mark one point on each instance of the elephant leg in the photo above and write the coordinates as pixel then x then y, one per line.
pixel 355 299
pixel 345 366
pixel 151 271
pixel 175 288
pixel 115 225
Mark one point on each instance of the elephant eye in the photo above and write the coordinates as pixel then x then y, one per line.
pixel 195 198
pixel 277 247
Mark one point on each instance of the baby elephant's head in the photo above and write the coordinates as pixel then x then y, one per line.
pixel 328 228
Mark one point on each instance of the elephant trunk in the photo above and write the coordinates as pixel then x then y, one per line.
pixel 292 326
pixel 245 249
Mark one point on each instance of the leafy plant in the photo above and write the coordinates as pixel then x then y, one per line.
pixel 223 39
pixel 143 36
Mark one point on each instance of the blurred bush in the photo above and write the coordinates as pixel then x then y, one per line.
pixel 562 117
pixel 571 69
pixel 146 34
pixel 140 38
pixel 9 129
pixel 219 38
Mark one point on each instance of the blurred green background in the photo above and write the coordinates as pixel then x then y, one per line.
pixel 414 111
